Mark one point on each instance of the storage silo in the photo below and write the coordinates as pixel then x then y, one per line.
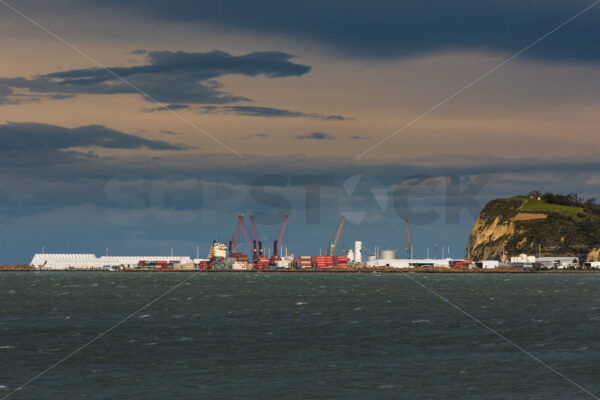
pixel 389 255
pixel 358 252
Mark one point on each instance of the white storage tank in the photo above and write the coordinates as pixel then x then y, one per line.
pixel 371 258
pixel 358 252
pixel 389 255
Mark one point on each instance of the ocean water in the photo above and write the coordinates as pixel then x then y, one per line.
pixel 299 336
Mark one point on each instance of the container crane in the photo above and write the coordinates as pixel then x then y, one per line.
pixel 234 240
pixel 277 244
pixel 337 237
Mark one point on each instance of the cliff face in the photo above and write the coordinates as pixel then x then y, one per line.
pixel 523 224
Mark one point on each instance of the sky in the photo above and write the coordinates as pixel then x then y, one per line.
pixel 141 126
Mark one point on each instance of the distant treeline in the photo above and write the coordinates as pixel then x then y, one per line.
pixel 571 199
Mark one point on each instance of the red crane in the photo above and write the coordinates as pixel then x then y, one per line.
pixel 237 234
pixel 241 223
pixel 277 249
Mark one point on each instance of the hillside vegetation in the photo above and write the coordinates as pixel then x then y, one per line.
pixel 560 224
pixel 538 205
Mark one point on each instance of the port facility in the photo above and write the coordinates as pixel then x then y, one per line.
pixel 226 256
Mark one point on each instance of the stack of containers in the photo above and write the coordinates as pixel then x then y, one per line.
pixel 222 263
pixel 203 265
pixel 262 262
pixel 146 264
pixel 142 264
pixel 162 264
pixel 341 261
pixel 239 257
pixel 304 262
pixel 322 261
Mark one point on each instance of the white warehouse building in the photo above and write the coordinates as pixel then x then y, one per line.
pixel 550 262
pixel 409 263
pixel 90 261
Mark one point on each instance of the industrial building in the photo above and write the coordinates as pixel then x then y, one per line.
pixel 91 262
pixel 547 262
pixel 592 264
pixel 558 262
pixel 409 262
pixel 489 264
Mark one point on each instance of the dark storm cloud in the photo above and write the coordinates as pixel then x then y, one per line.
pixel 42 171
pixel 35 137
pixel 23 144
pixel 42 144
pixel 391 28
pixel 269 112
pixel 315 135
pixel 169 77
pixel 86 180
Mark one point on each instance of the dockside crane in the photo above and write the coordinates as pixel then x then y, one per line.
pixel 241 224
pixel 234 240
pixel 277 244
pixel 337 237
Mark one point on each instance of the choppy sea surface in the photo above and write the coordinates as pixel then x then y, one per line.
pixel 299 336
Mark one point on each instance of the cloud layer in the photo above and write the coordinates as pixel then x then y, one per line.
pixel 168 76
pixel 269 112
pixel 315 135
pixel 406 28
pixel 34 143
